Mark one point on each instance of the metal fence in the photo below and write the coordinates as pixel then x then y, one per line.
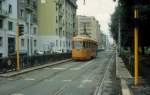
pixel 9 64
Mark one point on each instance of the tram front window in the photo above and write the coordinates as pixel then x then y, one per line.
pixel 78 45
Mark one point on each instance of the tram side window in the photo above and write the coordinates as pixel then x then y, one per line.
pixel 88 44
pixel 73 44
pixel 84 44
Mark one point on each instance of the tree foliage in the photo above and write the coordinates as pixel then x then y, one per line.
pixel 124 14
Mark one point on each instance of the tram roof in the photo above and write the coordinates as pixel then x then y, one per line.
pixel 83 37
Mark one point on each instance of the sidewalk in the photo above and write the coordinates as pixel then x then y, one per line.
pixel 11 74
pixel 123 74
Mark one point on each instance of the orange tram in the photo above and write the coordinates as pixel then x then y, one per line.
pixel 83 48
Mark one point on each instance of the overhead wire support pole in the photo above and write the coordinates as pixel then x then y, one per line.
pixel 84 2
pixel 136 30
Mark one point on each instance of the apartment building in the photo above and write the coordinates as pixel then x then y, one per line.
pixel 56 23
pixel 13 13
pixel 8 22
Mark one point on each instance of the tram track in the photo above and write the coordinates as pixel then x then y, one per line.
pixel 62 90
pixel 99 89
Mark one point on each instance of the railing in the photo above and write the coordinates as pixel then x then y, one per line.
pixel 9 64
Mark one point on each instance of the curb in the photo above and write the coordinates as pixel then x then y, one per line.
pixel 11 74
pixel 124 87
pixel 122 73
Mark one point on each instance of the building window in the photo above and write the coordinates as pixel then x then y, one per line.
pixel 56 19
pixel 69 43
pixel 1 55
pixel 34 30
pixel 63 33
pixel 59 33
pixel 10 26
pixel 60 43
pixel 64 43
pixel 1 23
pixel 35 43
pixel 56 43
pixel 1 42
pixel 21 12
pixel 10 9
pixel 56 7
pixel 22 42
pixel 56 31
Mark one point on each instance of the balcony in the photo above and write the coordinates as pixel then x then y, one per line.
pixel 3 13
pixel 60 12
pixel 29 7
pixel 60 24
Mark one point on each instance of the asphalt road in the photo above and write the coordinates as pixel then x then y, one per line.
pixel 70 78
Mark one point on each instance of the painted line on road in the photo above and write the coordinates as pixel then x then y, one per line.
pixel 67 80
pixel 75 69
pixel 84 82
pixel 10 79
pixel 29 79
pixel 87 81
pixel 16 94
pixel 47 68
pixel 58 68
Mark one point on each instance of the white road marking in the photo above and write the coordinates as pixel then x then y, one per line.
pixel 75 69
pixel 58 68
pixel 67 80
pixel 17 94
pixel 10 79
pixel 86 81
pixel 29 79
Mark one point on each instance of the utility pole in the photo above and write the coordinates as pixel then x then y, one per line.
pixel 136 30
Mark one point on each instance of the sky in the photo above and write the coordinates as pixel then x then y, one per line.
pixel 100 9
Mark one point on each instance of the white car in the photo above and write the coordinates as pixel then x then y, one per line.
pixel 58 51
pixel 40 52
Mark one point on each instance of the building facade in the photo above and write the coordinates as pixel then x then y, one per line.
pixel 12 14
pixel 56 23
pixel 27 16
pixel 90 24
pixel 8 22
